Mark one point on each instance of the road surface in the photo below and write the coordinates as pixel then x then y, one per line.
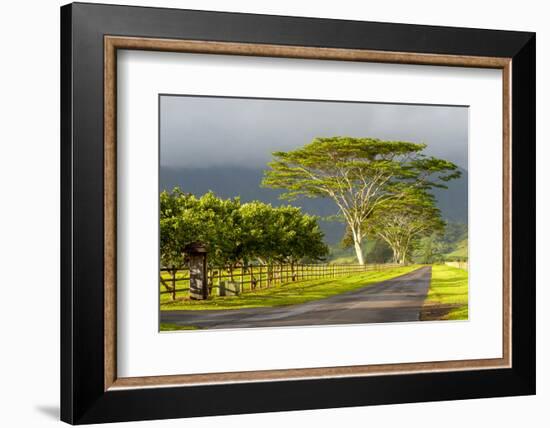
pixel 395 300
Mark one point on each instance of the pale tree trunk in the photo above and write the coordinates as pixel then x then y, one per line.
pixel 403 254
pixel 395 256
pixel 395 252
pixel 359 251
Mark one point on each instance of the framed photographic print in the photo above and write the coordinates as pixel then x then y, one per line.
pixel 265 213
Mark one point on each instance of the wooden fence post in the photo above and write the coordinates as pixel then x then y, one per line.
pixel 286 274
pixel 242 279
pixel 173 272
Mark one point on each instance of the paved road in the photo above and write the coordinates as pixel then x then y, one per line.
pixel 395 300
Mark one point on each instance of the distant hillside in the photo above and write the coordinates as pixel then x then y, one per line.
pixel 460 251
pixel 228 182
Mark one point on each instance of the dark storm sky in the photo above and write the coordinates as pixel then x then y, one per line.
pixel 203 132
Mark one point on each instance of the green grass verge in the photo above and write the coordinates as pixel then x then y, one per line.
pixel 166 326
pixel 288 294
pixel 448 295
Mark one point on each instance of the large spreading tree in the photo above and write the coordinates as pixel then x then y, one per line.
pixel 402 222
pixel 358 174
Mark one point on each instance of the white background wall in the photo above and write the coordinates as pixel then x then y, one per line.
pixel 29 215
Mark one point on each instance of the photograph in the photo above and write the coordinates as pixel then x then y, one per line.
pixel 297 212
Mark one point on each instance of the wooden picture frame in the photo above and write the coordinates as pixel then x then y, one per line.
pixel 91 390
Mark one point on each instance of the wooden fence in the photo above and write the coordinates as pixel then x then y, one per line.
pixel 458 264
pixel 175 281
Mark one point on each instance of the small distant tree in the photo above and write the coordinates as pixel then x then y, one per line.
pixel 427 248
pixel 380 252
pixel 358 174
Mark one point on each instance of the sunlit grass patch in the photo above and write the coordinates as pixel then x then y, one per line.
pixel 448 295
pixel 166 326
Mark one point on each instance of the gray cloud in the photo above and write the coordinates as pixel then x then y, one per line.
pixel 203 132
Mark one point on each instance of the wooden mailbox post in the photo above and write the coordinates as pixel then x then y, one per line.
pixel 198 274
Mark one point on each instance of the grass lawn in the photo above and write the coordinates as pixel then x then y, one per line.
pixel 287 294
pixel 166 326
pixel 448 295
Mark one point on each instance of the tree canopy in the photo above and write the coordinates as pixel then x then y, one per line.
pixel 358 174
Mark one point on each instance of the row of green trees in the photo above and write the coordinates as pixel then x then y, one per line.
pixel 236 233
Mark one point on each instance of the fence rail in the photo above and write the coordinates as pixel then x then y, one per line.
pixel 458 264
pixel 174 280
